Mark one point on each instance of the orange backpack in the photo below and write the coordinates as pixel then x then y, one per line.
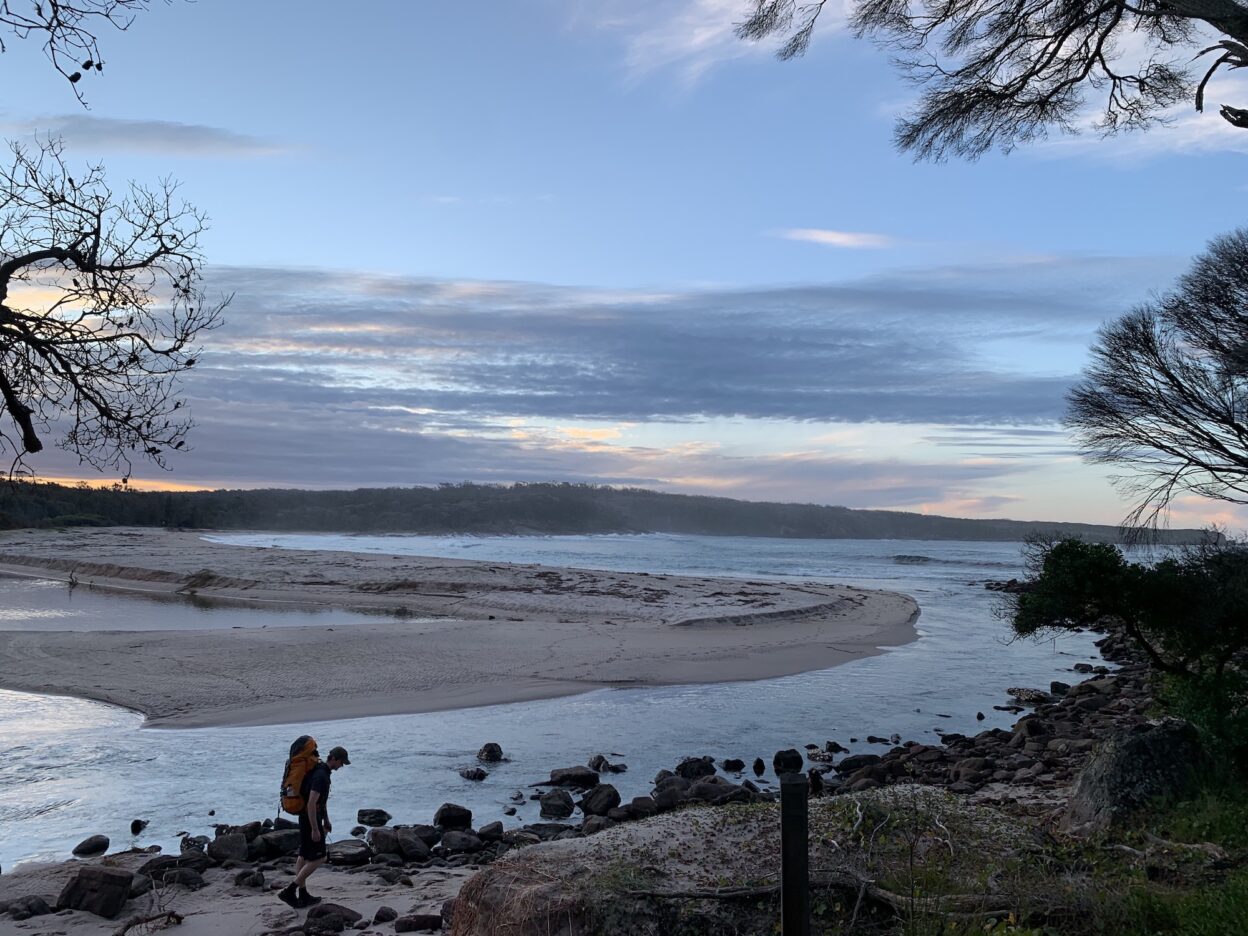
pixel 303 757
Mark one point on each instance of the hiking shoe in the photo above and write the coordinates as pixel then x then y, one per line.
pixel 289 896
pixel 307 900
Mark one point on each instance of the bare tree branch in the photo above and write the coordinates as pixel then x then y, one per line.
pixel 100 308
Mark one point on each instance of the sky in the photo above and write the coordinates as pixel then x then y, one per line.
pixel 605 241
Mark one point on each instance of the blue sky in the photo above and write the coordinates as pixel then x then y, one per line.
pixel 607 241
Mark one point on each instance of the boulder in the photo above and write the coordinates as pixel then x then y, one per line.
pixel 97 889
pixel 187 877
pixel 760 768
pixel 734 765
pixel 600 763
pixel 349 852
pixel 23 908
pixel 490 832
pixel 411 846
pixel 457 842
pixel 693 768
pixel 281 842
pixel 789 761
pixel 194 843
pixel 384 841
pixel 385 915
pixel 557 804
pixel 95 845
pixel 476 774
pixel 250 878
pixel 330 918
pixel 582 778
pixel 451 816
pixel 642 807
pixel 1131 770
pixel 232 845
pixel 416 922
pixel 490 753
pixel 600 799
pixel 432 834
pixel 372 817
pixel 594 824
pixel 137 826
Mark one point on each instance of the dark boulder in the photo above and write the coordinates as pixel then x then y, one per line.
pixel 490 832
pixel 693 768
pixel 582 778
pixel 411 846
pixel 642 807
pixel 385 915
pixel 330 918
pixel 734 765
pixel 137 826
pixel 95 845
pixel 457 842
pixel 760 768
pixel 384 841
pixel 416 922
pixel 23 908
pixel 250 878
pixel 490 753
pixel 276 844
pixel 557 804
pixel 856 762
pixel 789 761
pixel 1133 769
pixel 231 846
pixel 432 834
pixel 348 852
pixel 451 816
pixel 97 889
pixel 187 877
pixel 372 817
pixel 476 774
pixel 600 799
pixel 600 764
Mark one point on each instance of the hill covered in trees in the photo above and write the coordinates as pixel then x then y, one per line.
pixel 545 508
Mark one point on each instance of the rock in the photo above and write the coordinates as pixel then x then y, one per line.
pixel 359 831
pixel 490 753
pixel 642 807
pixel 231 846
pixel 94 845
pixel 97 889
pixel 600 799
pixel 733 765
pixel 372 817
pixel 856 762
pixel 1031 697
pixel 1059 688
pixel 194 843
pixel 281 842
pixel 595 824
pixel 458 842
pixel 788 761
pixel 815 779
pixel 760 768
pixel 187 877
pixel 348 852
pixel 432 834
pixel 980 716
pixel 451 816
pixel 833 747
pixel 23 908
pixel 250 879
pixel 411 846
pixel 137 826
pixel 476 774
pixel 490 832
pixel 330 918
pixel 415 922
pixel 384 841
pixel 1131 770
pixel 600 763
pixel 581 778
pixel 385 915
pixel 693 768
pixel 668 798
pixel 509 810
pixel 448 911
pixel 557 804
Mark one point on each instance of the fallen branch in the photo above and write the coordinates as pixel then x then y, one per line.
pixel 1206 848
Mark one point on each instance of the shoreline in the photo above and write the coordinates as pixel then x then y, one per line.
pixel 460 633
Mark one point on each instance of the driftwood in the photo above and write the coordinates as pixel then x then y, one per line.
pixel 166 918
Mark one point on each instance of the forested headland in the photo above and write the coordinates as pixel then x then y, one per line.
pixel 534 508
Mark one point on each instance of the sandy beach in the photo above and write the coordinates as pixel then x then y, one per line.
pixel 446 633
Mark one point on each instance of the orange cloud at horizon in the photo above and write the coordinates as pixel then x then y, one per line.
pixel 134 484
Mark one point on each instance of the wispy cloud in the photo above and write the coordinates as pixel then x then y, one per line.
pixel 163 137
pixel 850 239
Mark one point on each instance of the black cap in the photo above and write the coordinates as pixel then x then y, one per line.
pixel 340 754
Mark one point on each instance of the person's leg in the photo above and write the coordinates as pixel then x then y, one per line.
pixel 302 874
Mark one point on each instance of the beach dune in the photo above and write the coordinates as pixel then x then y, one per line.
pixel 446 633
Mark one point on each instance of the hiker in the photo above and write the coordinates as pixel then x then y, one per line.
pixel 314 825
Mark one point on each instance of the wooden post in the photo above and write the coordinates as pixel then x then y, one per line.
pixel 794 856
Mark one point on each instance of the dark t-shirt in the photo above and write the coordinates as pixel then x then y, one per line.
pixel 317 779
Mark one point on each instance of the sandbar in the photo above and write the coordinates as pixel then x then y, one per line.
pixel 439 633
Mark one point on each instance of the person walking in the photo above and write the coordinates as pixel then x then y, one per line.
pixel 314 826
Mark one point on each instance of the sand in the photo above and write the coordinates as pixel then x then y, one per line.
pixel 468 633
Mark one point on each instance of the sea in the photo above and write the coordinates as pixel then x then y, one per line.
pixel 70 768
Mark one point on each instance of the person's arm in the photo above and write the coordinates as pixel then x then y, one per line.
pixel 314 820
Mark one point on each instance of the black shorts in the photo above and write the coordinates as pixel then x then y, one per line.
pixel 309 849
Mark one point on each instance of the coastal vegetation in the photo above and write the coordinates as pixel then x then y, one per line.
pixel 535 508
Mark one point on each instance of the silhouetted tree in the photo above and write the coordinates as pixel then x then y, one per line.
pixel 100 308
pixel 1166 392
pixel 998 73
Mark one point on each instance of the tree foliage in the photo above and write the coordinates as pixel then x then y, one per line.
pixel 1165 394
pixel 68 30
pixel 996 73
pixel 1188 612
pixel 100 308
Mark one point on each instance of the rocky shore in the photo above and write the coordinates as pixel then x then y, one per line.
pixel 408 878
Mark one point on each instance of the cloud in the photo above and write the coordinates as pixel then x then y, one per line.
pixel 162 137
pixel 835 238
